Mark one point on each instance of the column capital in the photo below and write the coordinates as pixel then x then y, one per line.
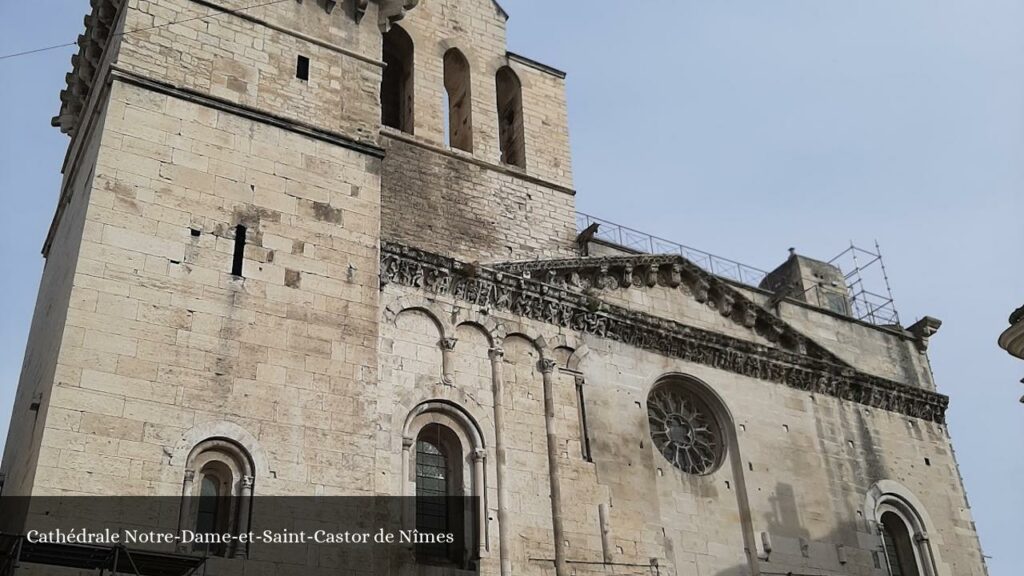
pixel 449 343
pixel 190 475
pixel 479 455
pixel 547 366
pixel 496 353
pixel 247 482
pixel 407 442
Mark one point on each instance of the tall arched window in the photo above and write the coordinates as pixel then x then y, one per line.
pixel 396 91
pixel 510 118
pixel 903 528
pixel 460 100
pixel 438 477
pixel 899 548
pixel 217 494
pixel 443 460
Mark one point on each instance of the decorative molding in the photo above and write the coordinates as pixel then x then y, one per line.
pixel 589 275
pixel 248 112
pixel 86 64
pixel 924 329
pixel 547 366
pixel 803 369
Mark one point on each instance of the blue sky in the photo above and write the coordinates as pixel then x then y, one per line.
pixel 739 127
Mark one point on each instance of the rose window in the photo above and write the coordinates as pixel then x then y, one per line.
pixel 684 429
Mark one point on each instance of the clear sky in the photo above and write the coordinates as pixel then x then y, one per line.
pixel 740 127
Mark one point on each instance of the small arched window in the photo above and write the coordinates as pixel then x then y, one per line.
pixel 396 91
pixel 459 99
pixel 510 118
pixel 217 494
pixel 899 546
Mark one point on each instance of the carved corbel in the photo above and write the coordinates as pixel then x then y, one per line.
pixel 392 11
pixel 746 314
pixel 605 279
pixel 675 276
pixel 924 329
pixel 700 290
pixel 726 301
pixel 627 277
pixel 651 278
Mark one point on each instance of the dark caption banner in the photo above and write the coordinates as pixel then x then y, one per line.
pixel 279 536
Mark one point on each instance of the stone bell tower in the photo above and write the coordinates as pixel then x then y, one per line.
pixel 212 266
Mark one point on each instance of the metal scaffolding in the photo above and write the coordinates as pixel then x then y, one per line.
pixel 868 282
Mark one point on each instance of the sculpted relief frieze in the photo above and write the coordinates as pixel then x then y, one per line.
pixel 795 363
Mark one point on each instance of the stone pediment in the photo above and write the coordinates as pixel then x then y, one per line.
pixel 802 365
pixel 592 275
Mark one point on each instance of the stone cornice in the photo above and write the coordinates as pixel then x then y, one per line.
pixel 85 65
pixel 591 274
pixel 504 291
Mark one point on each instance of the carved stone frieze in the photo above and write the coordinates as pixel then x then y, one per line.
pixel 803 367
pixel 614 272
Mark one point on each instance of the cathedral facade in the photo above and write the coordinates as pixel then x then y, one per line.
pixel 329 248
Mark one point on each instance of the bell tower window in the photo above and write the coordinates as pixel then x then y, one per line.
pixel 459 99
pixel 396 91
pixel 510 118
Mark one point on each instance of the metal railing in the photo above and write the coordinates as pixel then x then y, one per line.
pixel 643 242
pixel 861 268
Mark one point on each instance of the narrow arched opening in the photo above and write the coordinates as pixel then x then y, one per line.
pixel 511 127
pixel 458 94
pixel 898 542
pixel 396 91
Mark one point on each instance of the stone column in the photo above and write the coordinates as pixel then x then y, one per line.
pixel 547 368
pixel 925 552
pixel 244 506
pixel 447 370
pixel 479 457
pixel 408 502
pixel 606 533
pixel 498 386
pixel 186 506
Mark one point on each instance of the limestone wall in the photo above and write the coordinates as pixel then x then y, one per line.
pixel 888 353
pixel 164 345
pixel 805 464
pixel 253 63
pixel 48 334
pixel 442 203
